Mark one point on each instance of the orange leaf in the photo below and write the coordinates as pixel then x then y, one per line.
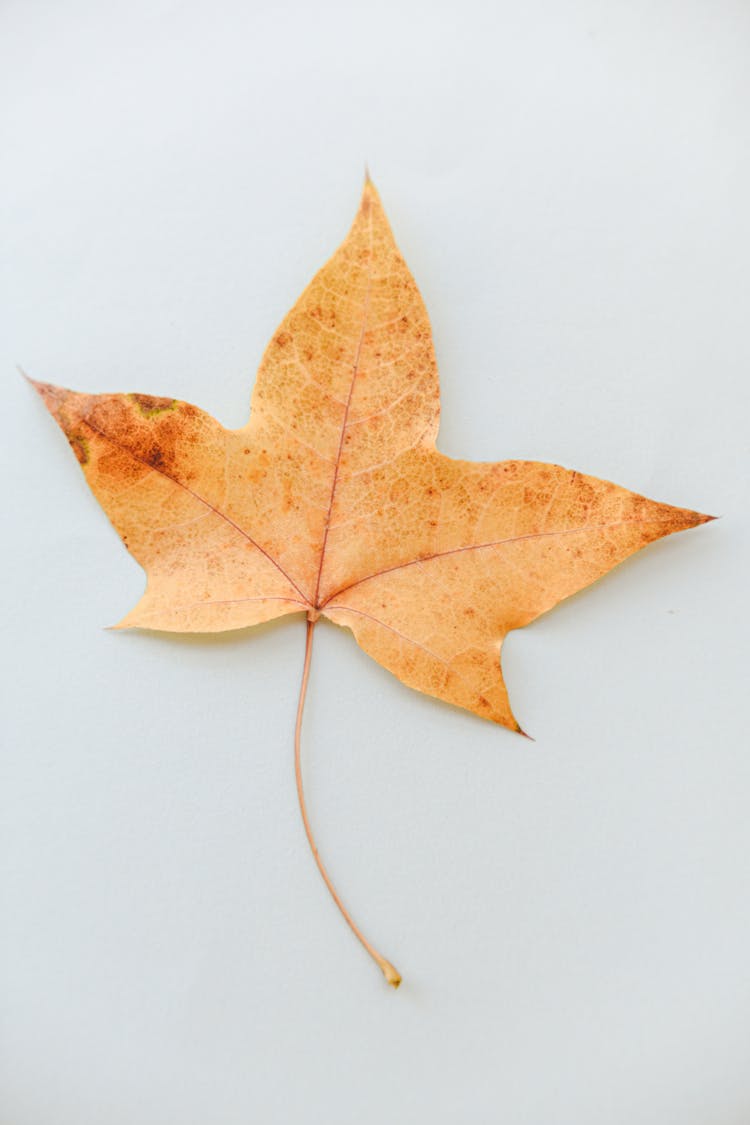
pixel 334 501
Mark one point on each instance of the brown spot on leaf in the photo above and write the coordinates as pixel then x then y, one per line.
pixel 80 447
pixel 155 457
pixel 149 405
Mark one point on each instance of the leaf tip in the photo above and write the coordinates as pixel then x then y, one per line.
pixel 48 392
pixel 38 386
pixel 370 195
pixel 690 519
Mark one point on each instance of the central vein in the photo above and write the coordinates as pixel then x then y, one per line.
pixel 344 424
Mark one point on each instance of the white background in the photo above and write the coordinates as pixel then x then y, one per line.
pixel 569 183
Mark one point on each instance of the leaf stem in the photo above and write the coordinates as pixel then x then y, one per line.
pixel 390 973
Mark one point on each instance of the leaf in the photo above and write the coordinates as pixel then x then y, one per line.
pixel 333 500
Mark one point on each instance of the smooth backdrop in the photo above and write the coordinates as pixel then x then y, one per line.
pixel 569 183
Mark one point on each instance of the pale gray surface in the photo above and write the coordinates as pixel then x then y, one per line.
pixel 569 184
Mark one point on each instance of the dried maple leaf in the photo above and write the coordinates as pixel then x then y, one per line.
pixel 334 501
